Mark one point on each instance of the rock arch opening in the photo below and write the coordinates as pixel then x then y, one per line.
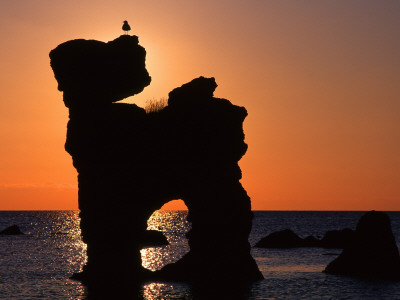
pixel 174 205
pixel 171 222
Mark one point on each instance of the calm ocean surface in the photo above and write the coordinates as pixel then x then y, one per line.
pixel 37 265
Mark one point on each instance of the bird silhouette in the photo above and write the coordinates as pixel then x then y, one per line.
pixel 126 27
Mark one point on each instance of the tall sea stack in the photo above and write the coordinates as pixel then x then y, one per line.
pixel 130 163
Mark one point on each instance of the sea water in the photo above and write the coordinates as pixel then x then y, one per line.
pixel 37 265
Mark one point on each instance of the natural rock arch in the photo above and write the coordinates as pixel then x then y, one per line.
pixel 131 163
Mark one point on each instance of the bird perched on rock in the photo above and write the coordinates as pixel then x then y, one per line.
pixel 126 27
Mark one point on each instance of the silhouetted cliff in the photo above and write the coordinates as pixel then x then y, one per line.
pixel 131 163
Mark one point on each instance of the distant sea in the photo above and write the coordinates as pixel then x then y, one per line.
pixel 37 265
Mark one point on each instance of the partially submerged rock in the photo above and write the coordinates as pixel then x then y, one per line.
pixel 372 252
pixel 288 239
pixel 311 241
pixel 12 230
pixel 153 238
pixel 281 239
pixel 337 238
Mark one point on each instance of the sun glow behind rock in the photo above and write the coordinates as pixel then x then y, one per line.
pixel 174 205
pixel 321 91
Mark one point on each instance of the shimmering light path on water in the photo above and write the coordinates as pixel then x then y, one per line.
pixel 37 265
pixel 174 226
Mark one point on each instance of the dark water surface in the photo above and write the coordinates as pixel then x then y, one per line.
pixel 37 265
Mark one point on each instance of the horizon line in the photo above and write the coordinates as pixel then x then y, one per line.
pixel 270 210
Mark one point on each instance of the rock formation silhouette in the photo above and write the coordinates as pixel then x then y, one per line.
pixel 288 239
pixel 131 163
pixel 93 73
pixel 12 230
pixel 281 239
pixel 372 252
pixel 337 238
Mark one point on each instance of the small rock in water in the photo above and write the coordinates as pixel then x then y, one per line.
pixel 154 238
pixel 280 239
pixel 311 241
pixel 12 230
pixel 288 239
pixel 337 238
pixel 372 252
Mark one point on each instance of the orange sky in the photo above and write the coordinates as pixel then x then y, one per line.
pixel 320 81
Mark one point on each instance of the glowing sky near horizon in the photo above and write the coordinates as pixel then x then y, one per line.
pixel 320 81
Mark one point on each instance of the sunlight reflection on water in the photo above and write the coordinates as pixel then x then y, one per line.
pixel 37 265
pixel 157 291
pixel 174 226
pixel 41 261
